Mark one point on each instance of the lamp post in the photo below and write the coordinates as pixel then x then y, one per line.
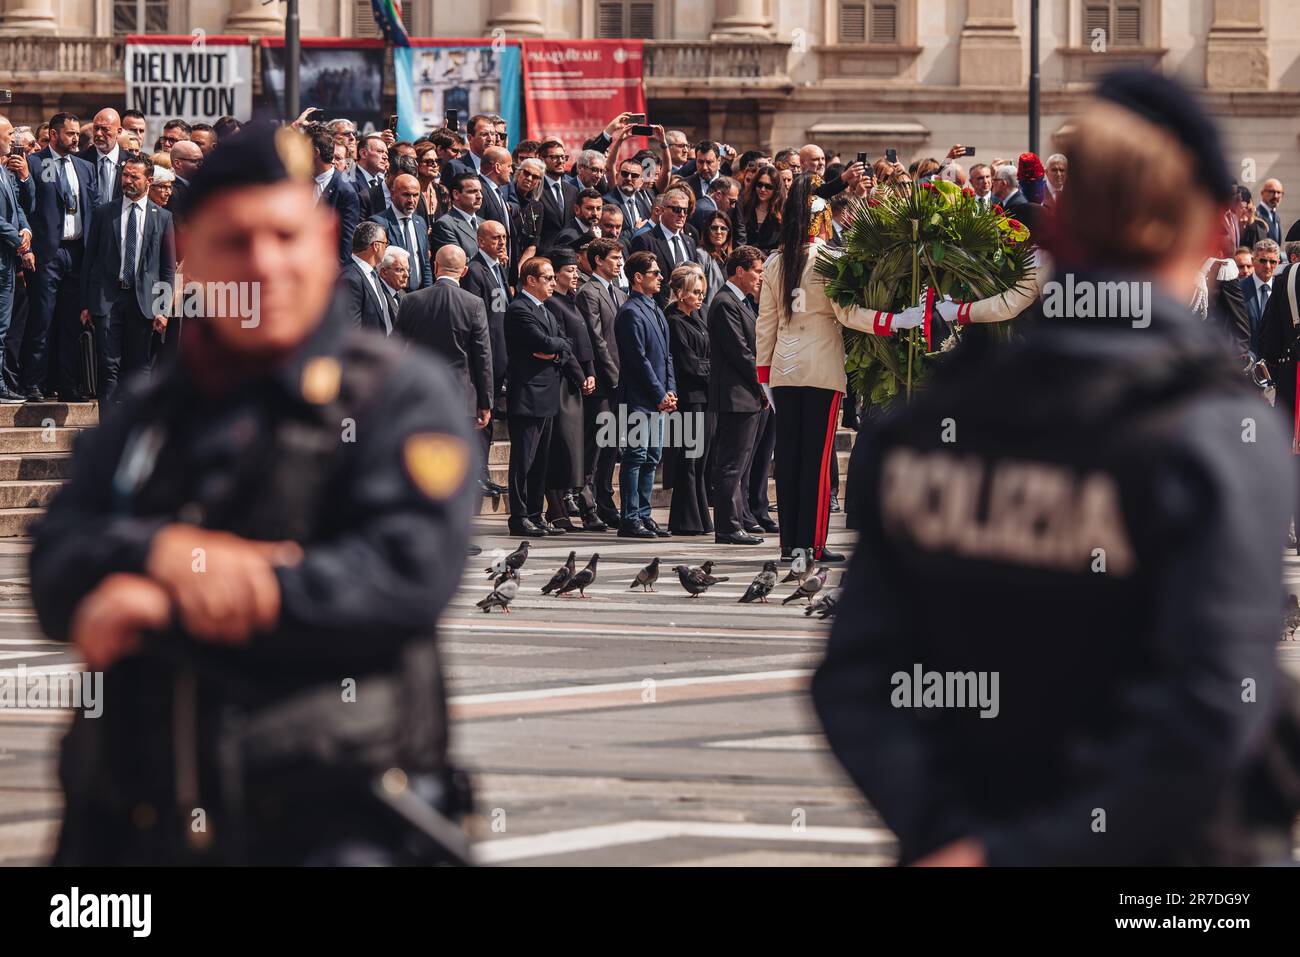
pixel 292 55
pixel 1034 92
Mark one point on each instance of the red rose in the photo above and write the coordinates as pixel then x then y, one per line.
pixel 967 191
pixel 998 209
pixel 1014 223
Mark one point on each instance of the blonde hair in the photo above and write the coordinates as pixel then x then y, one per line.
pixel 680 284
pixel 1131 183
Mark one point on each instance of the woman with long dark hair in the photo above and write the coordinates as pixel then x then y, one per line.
pixel 761 207
pixel 712 251
pixel 798 323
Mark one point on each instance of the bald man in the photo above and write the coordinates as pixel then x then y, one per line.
pixel 1270 195
pixel 186 160
pixel 105 153
pixel 453 323
pixel 408 229
pixel 15 248
pixel 488 277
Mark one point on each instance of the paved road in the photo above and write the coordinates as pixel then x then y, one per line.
pixel 630 728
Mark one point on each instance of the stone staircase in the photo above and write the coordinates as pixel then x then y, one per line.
pixel 35 446
pixel 36 441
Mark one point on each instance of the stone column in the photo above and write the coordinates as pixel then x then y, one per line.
pixel 29 17
pixel 1236 50
pixel 740 19
pixel 254 18
pixel 991 52
pixel 518 18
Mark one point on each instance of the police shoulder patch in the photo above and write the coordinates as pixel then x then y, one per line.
pixel 436 462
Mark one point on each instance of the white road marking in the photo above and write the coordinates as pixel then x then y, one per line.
pixel 506 849
pixel 776 742
pixel 501 624
pixel 536 694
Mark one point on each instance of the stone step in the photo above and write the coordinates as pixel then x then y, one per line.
pixel 35 466
pixel 28 494
pixel 79 415
pixel 23 441
pixel 18 521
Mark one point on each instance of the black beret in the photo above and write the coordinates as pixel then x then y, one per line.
pixel 260 154
pixel 562 256
pixel 1293 234
pixel 1172 107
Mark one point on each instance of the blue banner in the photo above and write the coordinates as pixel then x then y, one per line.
pixel 466 76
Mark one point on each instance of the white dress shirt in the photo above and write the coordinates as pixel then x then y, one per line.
pixel 674 247
pixel 323 182
pixel 369 272
pixel 129 269
pixel 106 168
pixel 71 221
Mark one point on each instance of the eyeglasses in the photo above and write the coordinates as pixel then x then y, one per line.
pixel 1268 262
pixel 630 174
pixel 718 228
pixel 679 210
pixel 172 140
pixel 556 156
pixel 654 272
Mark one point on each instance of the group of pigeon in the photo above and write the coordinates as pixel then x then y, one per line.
pixel 810 582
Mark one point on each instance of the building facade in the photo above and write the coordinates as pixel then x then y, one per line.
pixel 917 75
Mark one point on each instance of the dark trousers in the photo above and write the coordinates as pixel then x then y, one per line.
pixel 8 276
pixel 50 357
pixel 805 443
pixel 733 453
pixel 530 439
pixel 124 338
pixel 13 338
pixel 760 468
pixel 598 460
pixel 485 438
pixel 691 478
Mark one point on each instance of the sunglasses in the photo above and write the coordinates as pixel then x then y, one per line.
pixel 679 210
pixel 763 186
pixel 718 228
pixel 630 174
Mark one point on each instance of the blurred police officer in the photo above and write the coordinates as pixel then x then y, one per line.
pixel 1099 509
pixel 254 549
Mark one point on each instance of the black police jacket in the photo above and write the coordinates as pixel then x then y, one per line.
pixel 357 450
pixel 1095 515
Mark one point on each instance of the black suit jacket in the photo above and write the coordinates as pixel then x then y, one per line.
pixel 688 335
pixel 570 237
pixel 46 212
pixel 633 207
pixel 362 306
pixel 480 281
pixel 1278 342
pixel 371 197
pixel 733 374
pixel 533 388
pixel 654 242
pixel 1227 313
pixel 453 323
pixel 555 218
pixel 155 269
pixel 180 196
pixel 392 229
pixel 599 310
pixel 453 229
pixel 91 155
pixel 341 197
pixel 578 363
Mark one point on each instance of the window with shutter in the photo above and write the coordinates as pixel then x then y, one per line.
pixel 1128 26
pixel 1096 16
pixel 884 23
pixel 621 19
pixel 141 16
pixel 1121 21
pixel 363 18
pixel 853 23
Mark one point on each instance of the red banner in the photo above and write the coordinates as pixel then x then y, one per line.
pixel 573 88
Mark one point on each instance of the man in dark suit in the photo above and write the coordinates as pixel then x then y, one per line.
pixel 485 277
pixel 584 223
pixel 15 246
pixel 629 197
pixel 65 194
pixel 334 189
pixel 599 301
pixel 647 386
pixel 1279 342
pixel 453 323
pixel 459 226
pixel 706 169
pixel 359 282
pixel 668 241
pixel 128 276
pixel 734 394
pixel 368 175
pixel 104 154
pixel 1257 288
pixel 557 196
pixel 407 228
pixel 1270 195
pixel 187 158
pixel 536 347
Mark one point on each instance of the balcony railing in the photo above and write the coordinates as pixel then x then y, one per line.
pixel 678 60
pixel 69 55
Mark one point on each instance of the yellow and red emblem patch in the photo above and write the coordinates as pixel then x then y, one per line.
pixel 437 463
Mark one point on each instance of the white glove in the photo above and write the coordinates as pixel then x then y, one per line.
pixel 913 317
pixel 947 309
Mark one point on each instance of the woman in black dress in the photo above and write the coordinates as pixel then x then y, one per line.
pixel 762 208
pixel 564 474
pixel 686 470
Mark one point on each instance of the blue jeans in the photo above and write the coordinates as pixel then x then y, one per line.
pixel 637 466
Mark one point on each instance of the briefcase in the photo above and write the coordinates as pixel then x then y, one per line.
pixel 89 368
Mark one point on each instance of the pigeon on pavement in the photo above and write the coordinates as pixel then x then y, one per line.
pixel 808 587
pixel 562 574
pixel 582 580
pixel 647 576
pixel 694 580
pixel 503 594
pixel 762 584
pixel 515 559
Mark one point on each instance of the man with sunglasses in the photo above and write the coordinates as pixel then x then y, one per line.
pixel 1257 288
pixel 669 241
pixel 628 196
pixel 558 194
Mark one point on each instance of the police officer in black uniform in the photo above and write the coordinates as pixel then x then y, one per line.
pixel 255 548
pixel 1056 640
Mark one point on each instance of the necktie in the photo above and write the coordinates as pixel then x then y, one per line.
pixel 383 304
pixel 1263 298
pixel 65 186
pixel 501 280
pixel 559 194
pixel 412 250
pixel 613 297
pixel 128 256
pixel 678 253
pixel 106 177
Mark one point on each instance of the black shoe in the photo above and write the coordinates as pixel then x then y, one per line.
pixel 564 524
pixel 548 528
pixel 571 506
pixel 829 556
pixel 737 538
pixel 754 528
pixel 488 488
pixel 609 516
pixel 835 502
pixel 655 527
pixel 635 530
pixel 592 524
pixel 8 397
pixel 475 550
pixel 526 528
pixel 496 489
pixel 33 395
pixel 769 526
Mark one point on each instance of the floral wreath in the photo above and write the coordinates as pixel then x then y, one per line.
pixel 819 210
